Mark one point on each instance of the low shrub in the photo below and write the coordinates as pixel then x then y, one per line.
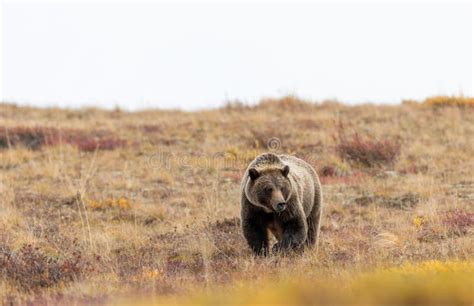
pixel 30 268
pixel 449 101
pixel 31 138
pixel 35 138
pixel 458 221
pixel 451 223
pixel 91 144
pixel 367 152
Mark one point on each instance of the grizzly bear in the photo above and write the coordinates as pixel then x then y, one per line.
pixel 281 194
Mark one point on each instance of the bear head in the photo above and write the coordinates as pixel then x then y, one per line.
pixel 269 189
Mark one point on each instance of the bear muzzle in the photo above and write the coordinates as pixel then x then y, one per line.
pixel 279 207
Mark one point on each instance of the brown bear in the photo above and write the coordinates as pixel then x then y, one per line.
pixel 280 194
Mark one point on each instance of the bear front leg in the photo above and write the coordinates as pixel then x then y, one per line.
pixel 257 237
pixel 294 235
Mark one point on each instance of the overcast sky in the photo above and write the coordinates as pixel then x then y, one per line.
pixel 198 56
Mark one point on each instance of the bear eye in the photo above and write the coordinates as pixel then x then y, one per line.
pixel 268 189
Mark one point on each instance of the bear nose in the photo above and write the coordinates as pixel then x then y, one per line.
pixel 280 206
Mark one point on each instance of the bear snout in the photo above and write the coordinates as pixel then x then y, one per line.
pixel 279 207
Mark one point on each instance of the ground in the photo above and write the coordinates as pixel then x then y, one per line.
pixel 102 205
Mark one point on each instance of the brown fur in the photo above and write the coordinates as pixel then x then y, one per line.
pixel 272 180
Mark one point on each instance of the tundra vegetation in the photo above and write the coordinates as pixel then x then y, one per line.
pixel 105 206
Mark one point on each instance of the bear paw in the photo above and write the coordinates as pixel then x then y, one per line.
pixel 282 247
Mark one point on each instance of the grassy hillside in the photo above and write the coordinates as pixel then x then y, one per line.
pixel 105 206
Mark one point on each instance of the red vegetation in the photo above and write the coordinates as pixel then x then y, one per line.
pixel 37 137
pixel 365 151
pixel 459 220
pixel 32 138
pixel 151 128
pixel 30 268
pixel 90 144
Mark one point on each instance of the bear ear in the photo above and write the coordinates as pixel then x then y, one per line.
pixel 253 173
pixel 285 170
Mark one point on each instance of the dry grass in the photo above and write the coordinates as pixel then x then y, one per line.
pixel 96 205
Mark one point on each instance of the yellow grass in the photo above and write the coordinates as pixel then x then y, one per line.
pixel 450 101
pixel 426 283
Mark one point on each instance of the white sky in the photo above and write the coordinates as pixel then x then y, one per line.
pixel 199 55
